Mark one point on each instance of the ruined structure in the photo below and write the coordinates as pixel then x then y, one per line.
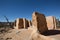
pixel 26 23
pixel 39 22
pixel 51 22
pixel 30 23
pixel 15 23
pixel 57 23
pixel 22 23
pixel 19 23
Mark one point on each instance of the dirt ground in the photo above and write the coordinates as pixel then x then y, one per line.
pixel 28 34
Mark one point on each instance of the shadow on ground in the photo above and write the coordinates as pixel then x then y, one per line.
pixel 51 32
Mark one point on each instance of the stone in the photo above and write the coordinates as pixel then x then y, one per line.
pixel 39 22
pixel 51 22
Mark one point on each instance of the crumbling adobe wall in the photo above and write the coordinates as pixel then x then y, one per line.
pixel 39 21
pixel 51 22
pixel 26 23
pixel 21 23
pixel 30 23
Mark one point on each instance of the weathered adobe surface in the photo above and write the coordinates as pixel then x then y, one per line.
pixel 39 21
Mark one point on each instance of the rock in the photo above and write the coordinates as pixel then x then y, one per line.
pixel 8 38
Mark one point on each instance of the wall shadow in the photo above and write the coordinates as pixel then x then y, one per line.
pixel 51 32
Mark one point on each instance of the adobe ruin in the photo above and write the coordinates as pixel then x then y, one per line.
pixel 51 22
pixel 22 23
pixel 39 21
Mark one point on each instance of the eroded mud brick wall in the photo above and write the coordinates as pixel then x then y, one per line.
pixel 26 23
pixel 19 23
pixel 15 23
pixel 51 22
pixel 39 21
pixel 30 23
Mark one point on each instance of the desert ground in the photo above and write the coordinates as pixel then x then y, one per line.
pixel 29 34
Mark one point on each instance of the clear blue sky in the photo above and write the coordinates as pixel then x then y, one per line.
pixel 24 8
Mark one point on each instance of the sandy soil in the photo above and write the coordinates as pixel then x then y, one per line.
pixel 24 34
